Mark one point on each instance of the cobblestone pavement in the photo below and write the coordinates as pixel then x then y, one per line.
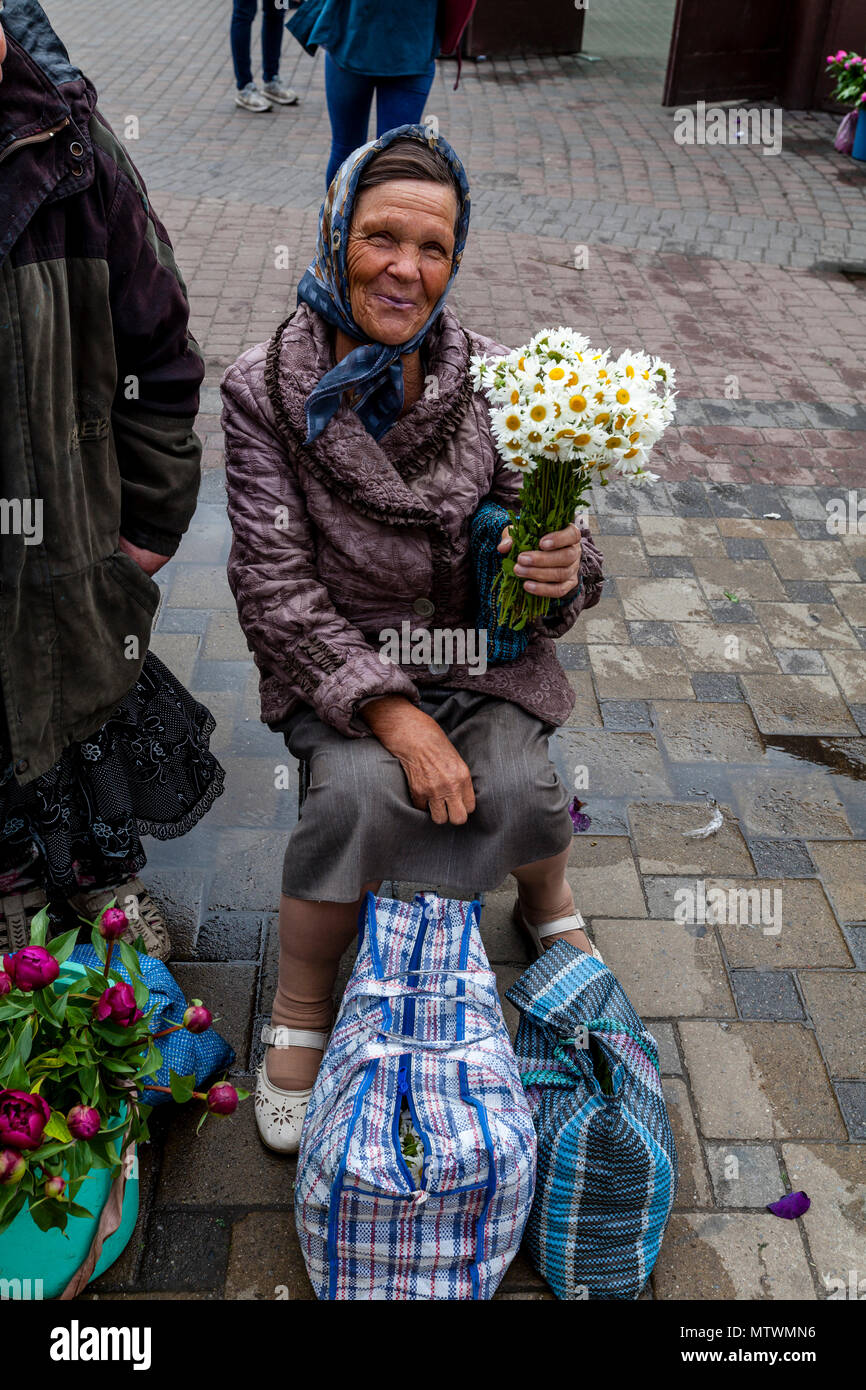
pixel 725 661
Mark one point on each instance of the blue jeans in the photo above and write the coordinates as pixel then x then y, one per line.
pixel 273 20
pixel 399 101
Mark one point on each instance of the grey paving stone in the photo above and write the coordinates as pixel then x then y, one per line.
pixel 857 942
pixel 671 567
pixel 186 1251
pixel 781 859
pixel 768 994
pixel 652 634
pixel 710 686
pixel 179 892
pixel 852 1102
pixel 801 661
pixel 573 656
pixel 220 675
pixel 860 566
pixel 744 1175
pixel 619 525
pixel 809 530
pixel 182 619
pixel 666 1041
pixel 730 612
pixel 858 714
pixel 742 548
pixel 227 936
pixel 807 591
pixel 626 716
pixel 689 498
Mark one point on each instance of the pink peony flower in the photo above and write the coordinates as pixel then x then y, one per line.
pixel 12 1167
pixel 198 1018
pixel 117 1005
pixel 22 1119
pixel 5 983
pixel 55 1187
pixel 113 923
pixel 83 1121
pixel 31 968
pixel 222 1099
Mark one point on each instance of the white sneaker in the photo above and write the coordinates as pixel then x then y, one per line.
pixel 251 99
pixel 286 96
pixel 280 1114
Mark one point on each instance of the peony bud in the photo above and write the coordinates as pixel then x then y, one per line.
pixel 222 1099
pixel 55 1187
pixel 198 1018
pixel 31 968
pixel 83 1122
pixel 12 1167
pixel 5 983
pixel 117 1005
pixel 113 923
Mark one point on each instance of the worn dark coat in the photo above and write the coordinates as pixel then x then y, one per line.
pixel 98 393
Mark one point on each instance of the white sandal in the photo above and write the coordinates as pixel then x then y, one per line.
pixel 280 1114
pixel 574 922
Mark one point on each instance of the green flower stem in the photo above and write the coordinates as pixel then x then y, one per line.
pixel 549 497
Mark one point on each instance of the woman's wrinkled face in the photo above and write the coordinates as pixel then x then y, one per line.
pixel 401 244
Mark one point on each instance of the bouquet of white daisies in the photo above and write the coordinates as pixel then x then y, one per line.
pixel 562 412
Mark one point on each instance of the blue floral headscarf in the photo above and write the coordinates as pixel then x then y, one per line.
pixel 373 369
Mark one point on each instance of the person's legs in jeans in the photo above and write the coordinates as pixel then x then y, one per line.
pixel 273 20
pixel 349 96
pixel 400 100
pixel 243 14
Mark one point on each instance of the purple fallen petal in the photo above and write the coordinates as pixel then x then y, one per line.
pixel 790 1207
pixel 578 819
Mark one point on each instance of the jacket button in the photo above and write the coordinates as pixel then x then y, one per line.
pixel 76 170
pixel 424 608
pixel 76 148
pixel 22 765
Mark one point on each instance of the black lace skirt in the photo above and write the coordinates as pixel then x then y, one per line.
pixel 147 771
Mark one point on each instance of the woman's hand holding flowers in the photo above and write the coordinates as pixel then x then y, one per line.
pixel 552 571
pixel 439 780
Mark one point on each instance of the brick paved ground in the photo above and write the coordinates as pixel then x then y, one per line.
pixel 745 270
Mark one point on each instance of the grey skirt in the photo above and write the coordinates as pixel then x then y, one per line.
pixel 358 824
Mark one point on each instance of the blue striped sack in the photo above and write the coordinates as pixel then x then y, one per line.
pixel 419 1038
pixel 607 1163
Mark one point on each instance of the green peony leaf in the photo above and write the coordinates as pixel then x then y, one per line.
pixel 63 946
pixel 182 1087
pixel 57 1128
pixel 39 928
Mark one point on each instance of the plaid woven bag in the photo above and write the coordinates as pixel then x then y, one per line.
pixel 420 1035
pixel 607 1163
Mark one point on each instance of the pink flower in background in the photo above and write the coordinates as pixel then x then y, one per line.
pixel 31 968
pixel 113 923
pixel 222 1099
pixel 83 1122
pixel 117 1005
pixel 22 1119
pixel 5 983
pixel 12 1167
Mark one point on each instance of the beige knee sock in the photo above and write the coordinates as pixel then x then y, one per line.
pixel 313 937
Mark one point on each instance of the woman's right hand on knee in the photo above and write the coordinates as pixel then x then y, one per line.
pixel 439 780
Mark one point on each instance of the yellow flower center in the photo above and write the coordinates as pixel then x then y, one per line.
pixel 630 455
pixel 599 395
pixel 565 434
pixel 619 422
pixel 577 404
pixel 521 364
pixel 515 397
pixel 581 439
pixel 556 374
pixel 512 443
pixel 629 371
pixel 538 388
pixel 614 442
pixel 602 417
pixel 538 412
pixel 573 379
pixel 633 438
pixel 534 437
pixel 622 396
pixel 512 422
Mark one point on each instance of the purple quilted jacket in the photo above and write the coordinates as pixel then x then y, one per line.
pixel 337 540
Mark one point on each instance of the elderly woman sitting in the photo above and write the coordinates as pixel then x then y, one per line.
pixel 357 454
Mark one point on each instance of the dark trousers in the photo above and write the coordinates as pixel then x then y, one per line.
pixel 399 101
pixel 273 20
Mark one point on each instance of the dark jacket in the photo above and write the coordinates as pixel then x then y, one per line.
pixel 98 394
pixel 339 540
